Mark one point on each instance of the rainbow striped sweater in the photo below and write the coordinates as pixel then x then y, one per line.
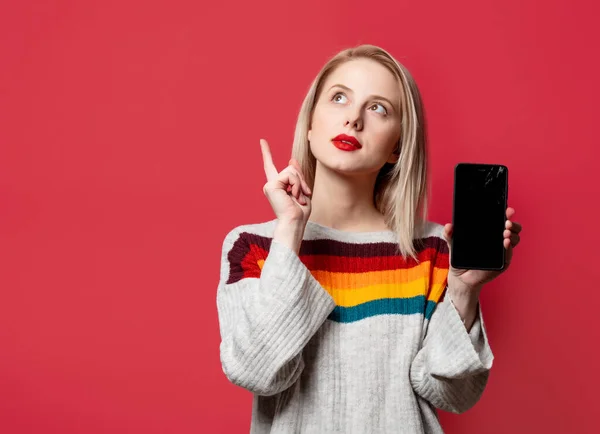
pixel 347 336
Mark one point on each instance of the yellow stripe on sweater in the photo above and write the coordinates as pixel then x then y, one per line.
pixel 359 280
pixel 351 289
pixel 440 276
pixel 354 297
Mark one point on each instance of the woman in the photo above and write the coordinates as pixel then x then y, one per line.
pixel 342 314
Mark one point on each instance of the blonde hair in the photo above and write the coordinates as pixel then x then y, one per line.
pixel 401 189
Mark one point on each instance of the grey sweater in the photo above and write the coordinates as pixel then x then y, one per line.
pixel 348 336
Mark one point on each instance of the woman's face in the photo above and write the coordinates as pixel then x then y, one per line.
pixel 361 98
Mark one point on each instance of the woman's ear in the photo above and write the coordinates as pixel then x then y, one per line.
pixel 309 135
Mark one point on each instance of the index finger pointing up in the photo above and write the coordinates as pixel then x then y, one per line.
pixel 270 169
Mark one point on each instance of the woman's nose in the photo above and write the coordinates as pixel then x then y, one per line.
pixel 355 121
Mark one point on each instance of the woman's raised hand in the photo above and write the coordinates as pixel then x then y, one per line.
pixel 287 191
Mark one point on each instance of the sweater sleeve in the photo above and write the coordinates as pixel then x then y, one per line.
pixel 266 314
pixel 451 368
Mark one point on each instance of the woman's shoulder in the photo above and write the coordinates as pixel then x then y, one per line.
pixel 256 230
pixel 431 229
pixel 264 231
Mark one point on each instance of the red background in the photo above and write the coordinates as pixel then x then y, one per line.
pixel 129 146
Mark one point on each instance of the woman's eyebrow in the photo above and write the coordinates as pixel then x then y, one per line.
pixel 372 96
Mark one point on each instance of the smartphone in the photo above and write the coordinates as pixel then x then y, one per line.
pixel 479 216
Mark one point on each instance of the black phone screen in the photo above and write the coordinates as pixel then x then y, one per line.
pixel 479 216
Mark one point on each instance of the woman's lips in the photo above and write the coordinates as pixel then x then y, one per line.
pixel 346 142
pixel 344 146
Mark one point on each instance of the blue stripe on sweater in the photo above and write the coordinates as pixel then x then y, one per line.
pixel 384 306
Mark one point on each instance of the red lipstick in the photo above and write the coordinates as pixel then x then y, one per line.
pixel 346 143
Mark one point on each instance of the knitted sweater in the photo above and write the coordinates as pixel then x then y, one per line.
pixel 348 336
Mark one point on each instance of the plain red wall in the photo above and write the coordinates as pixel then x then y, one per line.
pixel 129 146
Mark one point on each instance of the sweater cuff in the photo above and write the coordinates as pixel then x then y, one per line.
pixel 459 353
pixel 478 335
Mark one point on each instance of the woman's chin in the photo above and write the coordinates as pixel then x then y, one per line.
pixel 345 166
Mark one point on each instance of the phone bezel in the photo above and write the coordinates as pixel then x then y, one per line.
pixel 452 257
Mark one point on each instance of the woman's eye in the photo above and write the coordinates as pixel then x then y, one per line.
pixel 335 97
pixel 384 109
pixel 339 97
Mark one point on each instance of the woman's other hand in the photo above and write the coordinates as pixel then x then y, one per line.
pixel 287 191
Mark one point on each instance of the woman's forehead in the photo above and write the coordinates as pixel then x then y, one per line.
pixel 365 76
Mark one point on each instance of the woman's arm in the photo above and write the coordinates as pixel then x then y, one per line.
pixel 266 321
pixel 452 367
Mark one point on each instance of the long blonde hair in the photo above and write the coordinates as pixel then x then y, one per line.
pixel 401 189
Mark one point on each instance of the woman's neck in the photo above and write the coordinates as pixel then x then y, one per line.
pixel 345 202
